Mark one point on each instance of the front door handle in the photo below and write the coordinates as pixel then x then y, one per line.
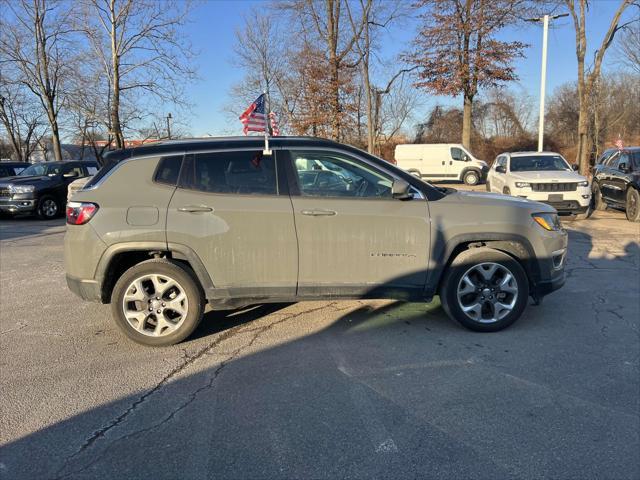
pixel 195 208
pixel 318 213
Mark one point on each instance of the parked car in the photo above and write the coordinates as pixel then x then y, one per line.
pixel 544 177
pixel 616 182
pixel 41 188
pixel 164 228
pixel 11 169
pixel 441 161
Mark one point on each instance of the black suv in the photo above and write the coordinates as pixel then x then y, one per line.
pixel 42 188
pixel 616 182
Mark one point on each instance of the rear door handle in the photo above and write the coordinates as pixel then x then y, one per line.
pixel 318 213
pixel 195 208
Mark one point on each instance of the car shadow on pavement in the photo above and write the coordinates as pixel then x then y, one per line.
pixel 14 228
pixel 383 391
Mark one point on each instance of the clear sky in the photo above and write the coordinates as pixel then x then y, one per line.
pixel 215 21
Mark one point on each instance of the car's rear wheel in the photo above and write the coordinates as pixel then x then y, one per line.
pixel 485 290
pixel 471 178
pixel 632 207
pixel 48 208
pixel 598 201
pixel 157 303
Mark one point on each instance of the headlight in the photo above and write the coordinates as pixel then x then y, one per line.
pixel 21 188
pixel 522 184
pixel 583 184
pixel 548 221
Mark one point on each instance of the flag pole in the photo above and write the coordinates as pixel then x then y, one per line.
pixel 267 150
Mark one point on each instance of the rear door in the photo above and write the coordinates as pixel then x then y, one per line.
pixel 353 237
pixel 231 210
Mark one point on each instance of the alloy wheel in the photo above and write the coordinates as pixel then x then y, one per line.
pixel 487 292
pixel 49 208
pixel 155 305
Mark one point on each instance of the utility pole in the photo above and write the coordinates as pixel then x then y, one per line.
pixel 543 74
pixel 169 117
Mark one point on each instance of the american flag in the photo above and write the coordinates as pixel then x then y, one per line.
pixel 619 144
pixel 253 119
pixel 275 131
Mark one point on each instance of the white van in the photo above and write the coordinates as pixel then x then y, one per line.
pixel 441 161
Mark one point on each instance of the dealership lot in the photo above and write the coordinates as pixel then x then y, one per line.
pixel 324 389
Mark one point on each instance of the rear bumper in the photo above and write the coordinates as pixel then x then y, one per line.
pixel 86 289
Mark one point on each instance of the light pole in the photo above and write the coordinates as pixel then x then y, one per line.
pixel 543 74
pixel 169 117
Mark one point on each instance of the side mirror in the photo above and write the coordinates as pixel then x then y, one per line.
pixel 501 169
pixel 465 158
pixel 400 190
pixel 575 167
pixel 622 167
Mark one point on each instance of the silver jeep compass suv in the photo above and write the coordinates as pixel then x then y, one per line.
pixel 164 228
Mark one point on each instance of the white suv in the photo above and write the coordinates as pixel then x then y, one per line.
pixel 544 177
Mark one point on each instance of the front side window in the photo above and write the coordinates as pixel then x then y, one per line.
pixel 76 170
pixel 536 163
pixel 242 173
pixel 328 174
pixel 457 153
pixel 41 169
pixel 635 161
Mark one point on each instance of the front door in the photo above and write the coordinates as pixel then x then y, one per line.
pixel 354 238
pixel 229 209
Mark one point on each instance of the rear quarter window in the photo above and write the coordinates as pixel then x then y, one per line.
pixel 168 170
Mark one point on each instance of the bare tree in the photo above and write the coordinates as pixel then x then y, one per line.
pixel 141 50
pixel 628 48
pixel 589 75
pixel 22 120
pixel 35 46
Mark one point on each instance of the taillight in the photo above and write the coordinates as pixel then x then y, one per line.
pixel 79 213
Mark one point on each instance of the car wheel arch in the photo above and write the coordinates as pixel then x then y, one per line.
pixel 470 169
pixel 119 258
pixel 513 245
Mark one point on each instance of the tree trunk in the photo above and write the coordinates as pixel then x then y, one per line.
pixel 115 63
pixel 466 121
pixel 55 132
pixel 335 100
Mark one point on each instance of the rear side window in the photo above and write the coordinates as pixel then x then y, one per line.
pixel 242 173
pixel 168 170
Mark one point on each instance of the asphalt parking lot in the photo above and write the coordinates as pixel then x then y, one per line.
pixel 359 389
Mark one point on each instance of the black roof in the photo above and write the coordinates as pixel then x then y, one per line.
pixel 15 164
pixel 192 144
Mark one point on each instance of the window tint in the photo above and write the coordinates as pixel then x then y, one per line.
pixel 168 170
pixel 5 171
pixel 457 153
pixel 612 160
pixel 533 163
pixel 333 175
pixel 244 173
pixel 635 161
pixel 73 169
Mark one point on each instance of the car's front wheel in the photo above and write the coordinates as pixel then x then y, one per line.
pixel 471 178
pixel 632 207
pixel 157 303
pixel 598 201
pixel 484 289
pixel 48 208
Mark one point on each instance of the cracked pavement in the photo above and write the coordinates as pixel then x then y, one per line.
pixel 324 389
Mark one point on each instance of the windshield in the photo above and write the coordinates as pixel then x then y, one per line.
pixel 544 163
pixel 41 169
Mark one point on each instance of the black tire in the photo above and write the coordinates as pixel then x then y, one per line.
pixel 632 208
pixel 48 208
pixel 582 216
pixel 471 178
pixel 597 200
pixel 465 263
pixel 487 186
pixel 506 191
pixel 185 279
